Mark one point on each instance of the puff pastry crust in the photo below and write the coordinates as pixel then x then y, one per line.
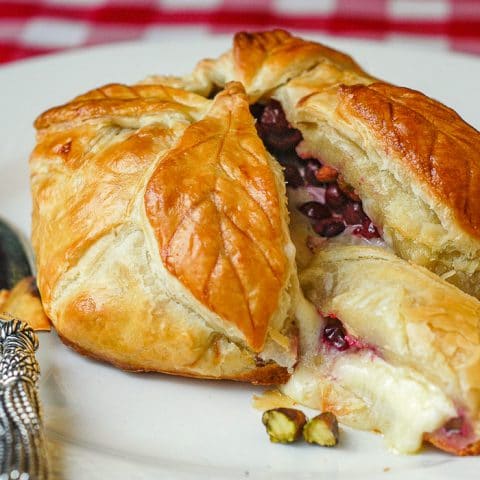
pixel 160 228
pixel 405 154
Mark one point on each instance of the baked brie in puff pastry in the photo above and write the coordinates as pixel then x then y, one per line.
pixel 163 241
pixel 413 163
pixel 161 237
pixel 389 347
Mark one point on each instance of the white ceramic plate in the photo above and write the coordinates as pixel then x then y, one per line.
pixel 106 424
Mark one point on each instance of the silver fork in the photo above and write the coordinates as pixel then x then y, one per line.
pixel 23 454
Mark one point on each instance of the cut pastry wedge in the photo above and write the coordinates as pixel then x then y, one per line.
pixel 389 347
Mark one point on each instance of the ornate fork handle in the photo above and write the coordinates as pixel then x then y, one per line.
pixel 22 447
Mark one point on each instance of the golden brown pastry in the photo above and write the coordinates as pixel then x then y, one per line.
pixel 397 350
pixel 412 162
pixel 23 302
pixel 160 229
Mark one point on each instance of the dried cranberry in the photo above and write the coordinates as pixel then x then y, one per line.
pixel 353 213
pixel 287 140
pixel 288 158
pixel 329 227
pixel 292 176
pixel 334 333
pixel 314 210
pixel 274 129
pixel 274 117
pixel 256 110
pixel 334 197
pixel 309 173
pixel 367 230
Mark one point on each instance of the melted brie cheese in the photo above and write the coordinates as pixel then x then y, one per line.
pixel 368 393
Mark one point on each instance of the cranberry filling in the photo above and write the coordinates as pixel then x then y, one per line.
pixel 315 210
pixel 293 177
pixel 274 129
pixel 353 214
pixel 335 198
pixel 341 206
pixel 367 229
pixel 329 227
pixel 335 334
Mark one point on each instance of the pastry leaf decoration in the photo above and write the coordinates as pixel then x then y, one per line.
pixel 214 205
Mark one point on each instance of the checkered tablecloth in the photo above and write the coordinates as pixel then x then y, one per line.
pixel 35 27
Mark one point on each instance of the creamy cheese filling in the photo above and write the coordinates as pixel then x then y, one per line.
pixel 366 392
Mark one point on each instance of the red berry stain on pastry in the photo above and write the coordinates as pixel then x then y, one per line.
pixel 456 435
pixel 334 204
pixel 367 230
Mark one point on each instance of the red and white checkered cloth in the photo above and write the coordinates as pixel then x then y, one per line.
pixel 34 27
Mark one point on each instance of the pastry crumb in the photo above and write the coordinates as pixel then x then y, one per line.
pixel 23 302
pixel 272 399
